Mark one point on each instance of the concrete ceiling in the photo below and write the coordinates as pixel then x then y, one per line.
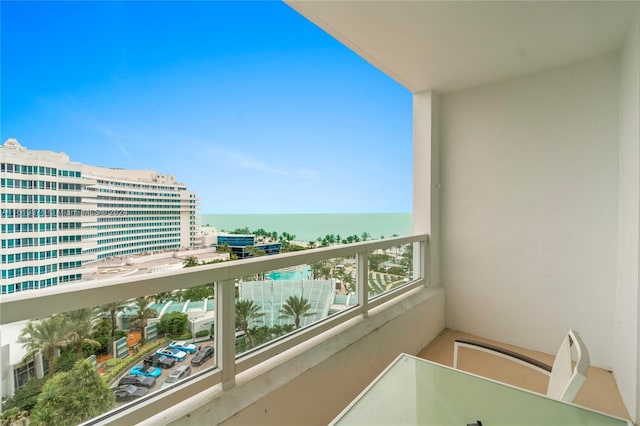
pixel 453 45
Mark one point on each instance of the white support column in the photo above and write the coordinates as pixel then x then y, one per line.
pixel 424 259
pixel 426 178
pixel 39 364
pixel 362 281
pixel 626 338
pixel 7 376
pixel 226 332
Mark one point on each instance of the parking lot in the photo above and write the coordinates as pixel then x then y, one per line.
pixel 166 372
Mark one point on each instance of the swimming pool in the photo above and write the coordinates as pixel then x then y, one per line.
pixel 301 272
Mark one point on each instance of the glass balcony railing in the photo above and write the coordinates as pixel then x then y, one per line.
pixel 389 268
pixel 173 334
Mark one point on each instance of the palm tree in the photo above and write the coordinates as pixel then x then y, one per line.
pixel 191 261
pixel 144 313
pixel 316 270
pixel 112 308
pixel 349 283
pixel 254 252
pixel 223 248
pixel 247 310
pixel 79 324
pixel 161 297
pixel 44 336
pixel 296 307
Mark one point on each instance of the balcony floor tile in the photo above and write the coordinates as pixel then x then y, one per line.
pixel 599 391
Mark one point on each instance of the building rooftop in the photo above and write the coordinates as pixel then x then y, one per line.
pixel 122 266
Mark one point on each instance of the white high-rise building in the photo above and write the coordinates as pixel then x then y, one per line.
pixel 58 215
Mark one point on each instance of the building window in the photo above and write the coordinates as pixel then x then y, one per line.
pixel 23 373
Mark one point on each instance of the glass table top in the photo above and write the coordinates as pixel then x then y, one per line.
pixel 413 391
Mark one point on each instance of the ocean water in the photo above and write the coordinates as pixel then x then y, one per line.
pixel 308 227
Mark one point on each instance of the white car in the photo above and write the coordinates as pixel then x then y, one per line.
pixel 173 353
pixel 184 347
pixel 176 375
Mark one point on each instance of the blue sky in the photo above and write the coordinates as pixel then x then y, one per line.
pixel 248 103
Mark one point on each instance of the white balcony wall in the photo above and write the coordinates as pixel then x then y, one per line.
pixel 625 354
pixel 529 170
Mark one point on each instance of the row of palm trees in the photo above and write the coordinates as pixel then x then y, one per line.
pixel 76 328
pixel 286 237
pixel 331 239
pixel 295 307
pixel 63 330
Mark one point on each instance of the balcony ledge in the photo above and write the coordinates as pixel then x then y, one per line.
pixel 331 367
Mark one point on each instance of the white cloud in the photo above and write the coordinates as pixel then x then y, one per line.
pixel 308 174
pixel 251 164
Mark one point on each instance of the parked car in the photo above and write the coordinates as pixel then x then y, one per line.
pixel 140 381
pixel 161 361
pixel 184 346
pixel 173 353
pixel 129 392
pixel 143 370
pixel 177 375
pixel 202 355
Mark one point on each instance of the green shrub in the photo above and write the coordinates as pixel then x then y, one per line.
pixel 72 397
pixel 396 270
pixel 25 397
pixel 13 416
pixel 183 336
pixel 202 333
pixel 173 323
pixel 65 361
pixel 112 362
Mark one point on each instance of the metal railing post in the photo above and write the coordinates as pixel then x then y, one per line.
pixel 225 332
pixel 362 281
pixel 419 259
pixel 425 253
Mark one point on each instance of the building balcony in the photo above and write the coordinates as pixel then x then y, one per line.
pixel 378 323
pixel 526 163
pixel 321 362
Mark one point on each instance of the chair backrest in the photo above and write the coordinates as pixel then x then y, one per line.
pixel 566 378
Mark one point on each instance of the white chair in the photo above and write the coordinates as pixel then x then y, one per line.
pixel 565 377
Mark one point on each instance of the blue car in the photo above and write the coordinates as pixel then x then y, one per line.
pixel 173 353
pixel 142 370
pixel 183 346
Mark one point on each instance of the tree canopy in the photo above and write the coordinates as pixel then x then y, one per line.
pixel 79 326
pixel 191 261
pixel 247 310
pixel 72 397
pixel 296 307
pixel 173 324
pixel 197 293
pixel 26 396
pixel 45 336
pixel 145 311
